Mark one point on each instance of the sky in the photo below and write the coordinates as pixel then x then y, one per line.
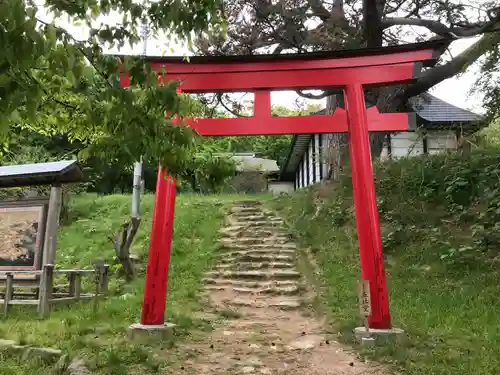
pixel 455 90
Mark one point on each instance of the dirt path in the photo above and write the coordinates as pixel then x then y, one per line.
pixel 268 332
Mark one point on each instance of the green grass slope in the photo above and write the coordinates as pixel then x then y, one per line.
pixel 440 219
pixel 100 337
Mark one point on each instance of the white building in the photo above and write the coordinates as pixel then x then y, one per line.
pixel 440 125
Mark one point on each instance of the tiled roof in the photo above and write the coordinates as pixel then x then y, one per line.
pixel 433 109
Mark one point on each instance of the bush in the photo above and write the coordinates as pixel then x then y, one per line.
pixel 451 200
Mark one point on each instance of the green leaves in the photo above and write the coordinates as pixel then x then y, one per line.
pixel 56 84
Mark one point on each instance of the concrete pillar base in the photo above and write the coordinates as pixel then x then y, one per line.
pixel 378 336
pixel 152 333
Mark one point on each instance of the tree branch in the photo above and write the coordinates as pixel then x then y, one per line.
pixel 319 10
pixel 458 64
pixel 219 98
pixel 441 29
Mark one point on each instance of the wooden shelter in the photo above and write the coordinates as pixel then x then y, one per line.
pixel 29 227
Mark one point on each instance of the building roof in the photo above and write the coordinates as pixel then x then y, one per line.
pixel 58 172
pixel 431 112
pixel 249 163
pixel 435 110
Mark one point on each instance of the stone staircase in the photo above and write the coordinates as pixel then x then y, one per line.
pixel 257 261
pixel 259 294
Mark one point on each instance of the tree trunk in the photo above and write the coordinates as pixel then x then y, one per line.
pixel 337 152
pixel 122 247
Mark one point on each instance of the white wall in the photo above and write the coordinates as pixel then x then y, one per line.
pixel 309 169
pixel 411 144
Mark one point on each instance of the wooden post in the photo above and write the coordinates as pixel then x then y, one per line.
pixel 72 283
pixel 9 286
pixel 105 279
pixel 46 284
pixel 54 210
pixel 365 306
pixel 99 267
pixel 78 285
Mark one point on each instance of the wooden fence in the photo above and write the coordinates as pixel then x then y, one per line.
pixel 46 293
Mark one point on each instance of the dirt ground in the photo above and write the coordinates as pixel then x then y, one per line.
pixel 266 329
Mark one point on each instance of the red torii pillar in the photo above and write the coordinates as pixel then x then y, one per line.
pixel 348 70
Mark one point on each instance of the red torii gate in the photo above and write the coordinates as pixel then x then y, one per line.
pixel 351 71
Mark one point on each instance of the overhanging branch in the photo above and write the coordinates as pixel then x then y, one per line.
pixel 441 29
pixel 458 64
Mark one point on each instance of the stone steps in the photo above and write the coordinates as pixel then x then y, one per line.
pixel 254 265
pixel 246 203
pixel 282 303
pixel 248 217
pixel 242 251
pixel 238 283
pixel 254 241
pixel 245 209
pixel 243 256
pixel 272 246
pixel 283 274
pixel 243 231
pixel 259 224
pixel 274 291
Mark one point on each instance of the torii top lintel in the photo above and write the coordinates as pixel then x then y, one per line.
pixel 262 74
pixel 369 67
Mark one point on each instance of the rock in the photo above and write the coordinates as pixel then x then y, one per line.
pixel 306 342
pixel 247 370
pixel 253 361
pixel 62 364
pixel 286 305
pixel 7 343
pixel 77 367
pixel 48 355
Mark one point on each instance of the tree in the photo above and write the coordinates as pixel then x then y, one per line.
pixel 269 147
pixel 51 80
pixel 263 26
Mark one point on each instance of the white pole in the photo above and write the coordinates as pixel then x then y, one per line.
pixel 136 192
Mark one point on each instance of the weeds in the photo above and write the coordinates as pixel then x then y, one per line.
pixel 440 220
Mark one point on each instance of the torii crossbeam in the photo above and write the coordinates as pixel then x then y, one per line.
pixel 351 71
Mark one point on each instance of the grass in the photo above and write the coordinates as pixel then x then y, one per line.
pixel 100 337
pixel 11 366
pixel 448 309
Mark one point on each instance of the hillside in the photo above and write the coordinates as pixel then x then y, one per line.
pixel 440 221
pixel 100 337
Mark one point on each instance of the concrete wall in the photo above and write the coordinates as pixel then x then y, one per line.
pixel 248 182
pixel 280 187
